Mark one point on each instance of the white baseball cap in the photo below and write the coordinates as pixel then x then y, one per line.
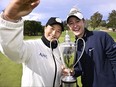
pixel 75 12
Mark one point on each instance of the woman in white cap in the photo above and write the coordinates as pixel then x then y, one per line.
pixel 97 66
pixel 40 58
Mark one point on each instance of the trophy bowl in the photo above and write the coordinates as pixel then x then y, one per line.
pixel 68 51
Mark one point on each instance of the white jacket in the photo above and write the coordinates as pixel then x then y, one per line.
pixel 36 57
pixel 1 50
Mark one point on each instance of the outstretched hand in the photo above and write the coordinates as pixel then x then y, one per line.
pixel 19 8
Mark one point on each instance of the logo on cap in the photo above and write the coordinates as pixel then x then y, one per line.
pixel 58 20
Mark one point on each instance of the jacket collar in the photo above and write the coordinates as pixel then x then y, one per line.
pixel 54 44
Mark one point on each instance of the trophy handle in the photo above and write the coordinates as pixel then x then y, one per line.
pixel 82 50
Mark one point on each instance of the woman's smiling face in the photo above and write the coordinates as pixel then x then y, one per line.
pixel 52 32
pixel 76 26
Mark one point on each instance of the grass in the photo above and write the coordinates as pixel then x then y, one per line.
pixel 10 72
pixel 113 34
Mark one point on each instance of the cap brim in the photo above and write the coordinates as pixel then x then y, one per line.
pixel 77 15
pixel 58 24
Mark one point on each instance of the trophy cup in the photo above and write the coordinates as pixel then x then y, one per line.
pixel 68 51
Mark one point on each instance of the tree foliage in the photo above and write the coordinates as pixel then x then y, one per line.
pixel 112 20
pixel 95 20
pixel 103 23
pixel 32 28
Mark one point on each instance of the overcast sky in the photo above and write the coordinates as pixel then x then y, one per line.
pixel 60 8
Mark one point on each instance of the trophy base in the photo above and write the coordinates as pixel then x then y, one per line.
pixel 69 81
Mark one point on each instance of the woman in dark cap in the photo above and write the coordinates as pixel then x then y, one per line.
pixel 40 58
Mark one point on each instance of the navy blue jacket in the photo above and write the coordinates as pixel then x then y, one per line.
pixel 98 63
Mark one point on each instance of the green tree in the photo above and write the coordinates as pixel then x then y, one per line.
pixel 103 23
pixel 112 20
pixel 95 19
pixel 32 28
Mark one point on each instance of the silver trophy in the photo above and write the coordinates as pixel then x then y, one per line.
pixel 68 51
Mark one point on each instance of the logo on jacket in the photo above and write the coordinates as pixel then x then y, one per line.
pixel 114 45
pixel 43 55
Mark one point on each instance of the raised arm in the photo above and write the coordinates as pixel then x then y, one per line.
pixel 12 33
pixel 19 8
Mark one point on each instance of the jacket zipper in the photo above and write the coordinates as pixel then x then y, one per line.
pixel 55 69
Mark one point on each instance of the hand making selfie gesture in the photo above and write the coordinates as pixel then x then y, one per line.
pixel 19 8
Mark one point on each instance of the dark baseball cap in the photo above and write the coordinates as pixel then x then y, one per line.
pixel 55 20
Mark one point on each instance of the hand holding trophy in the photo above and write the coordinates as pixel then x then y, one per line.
pixel 68 51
